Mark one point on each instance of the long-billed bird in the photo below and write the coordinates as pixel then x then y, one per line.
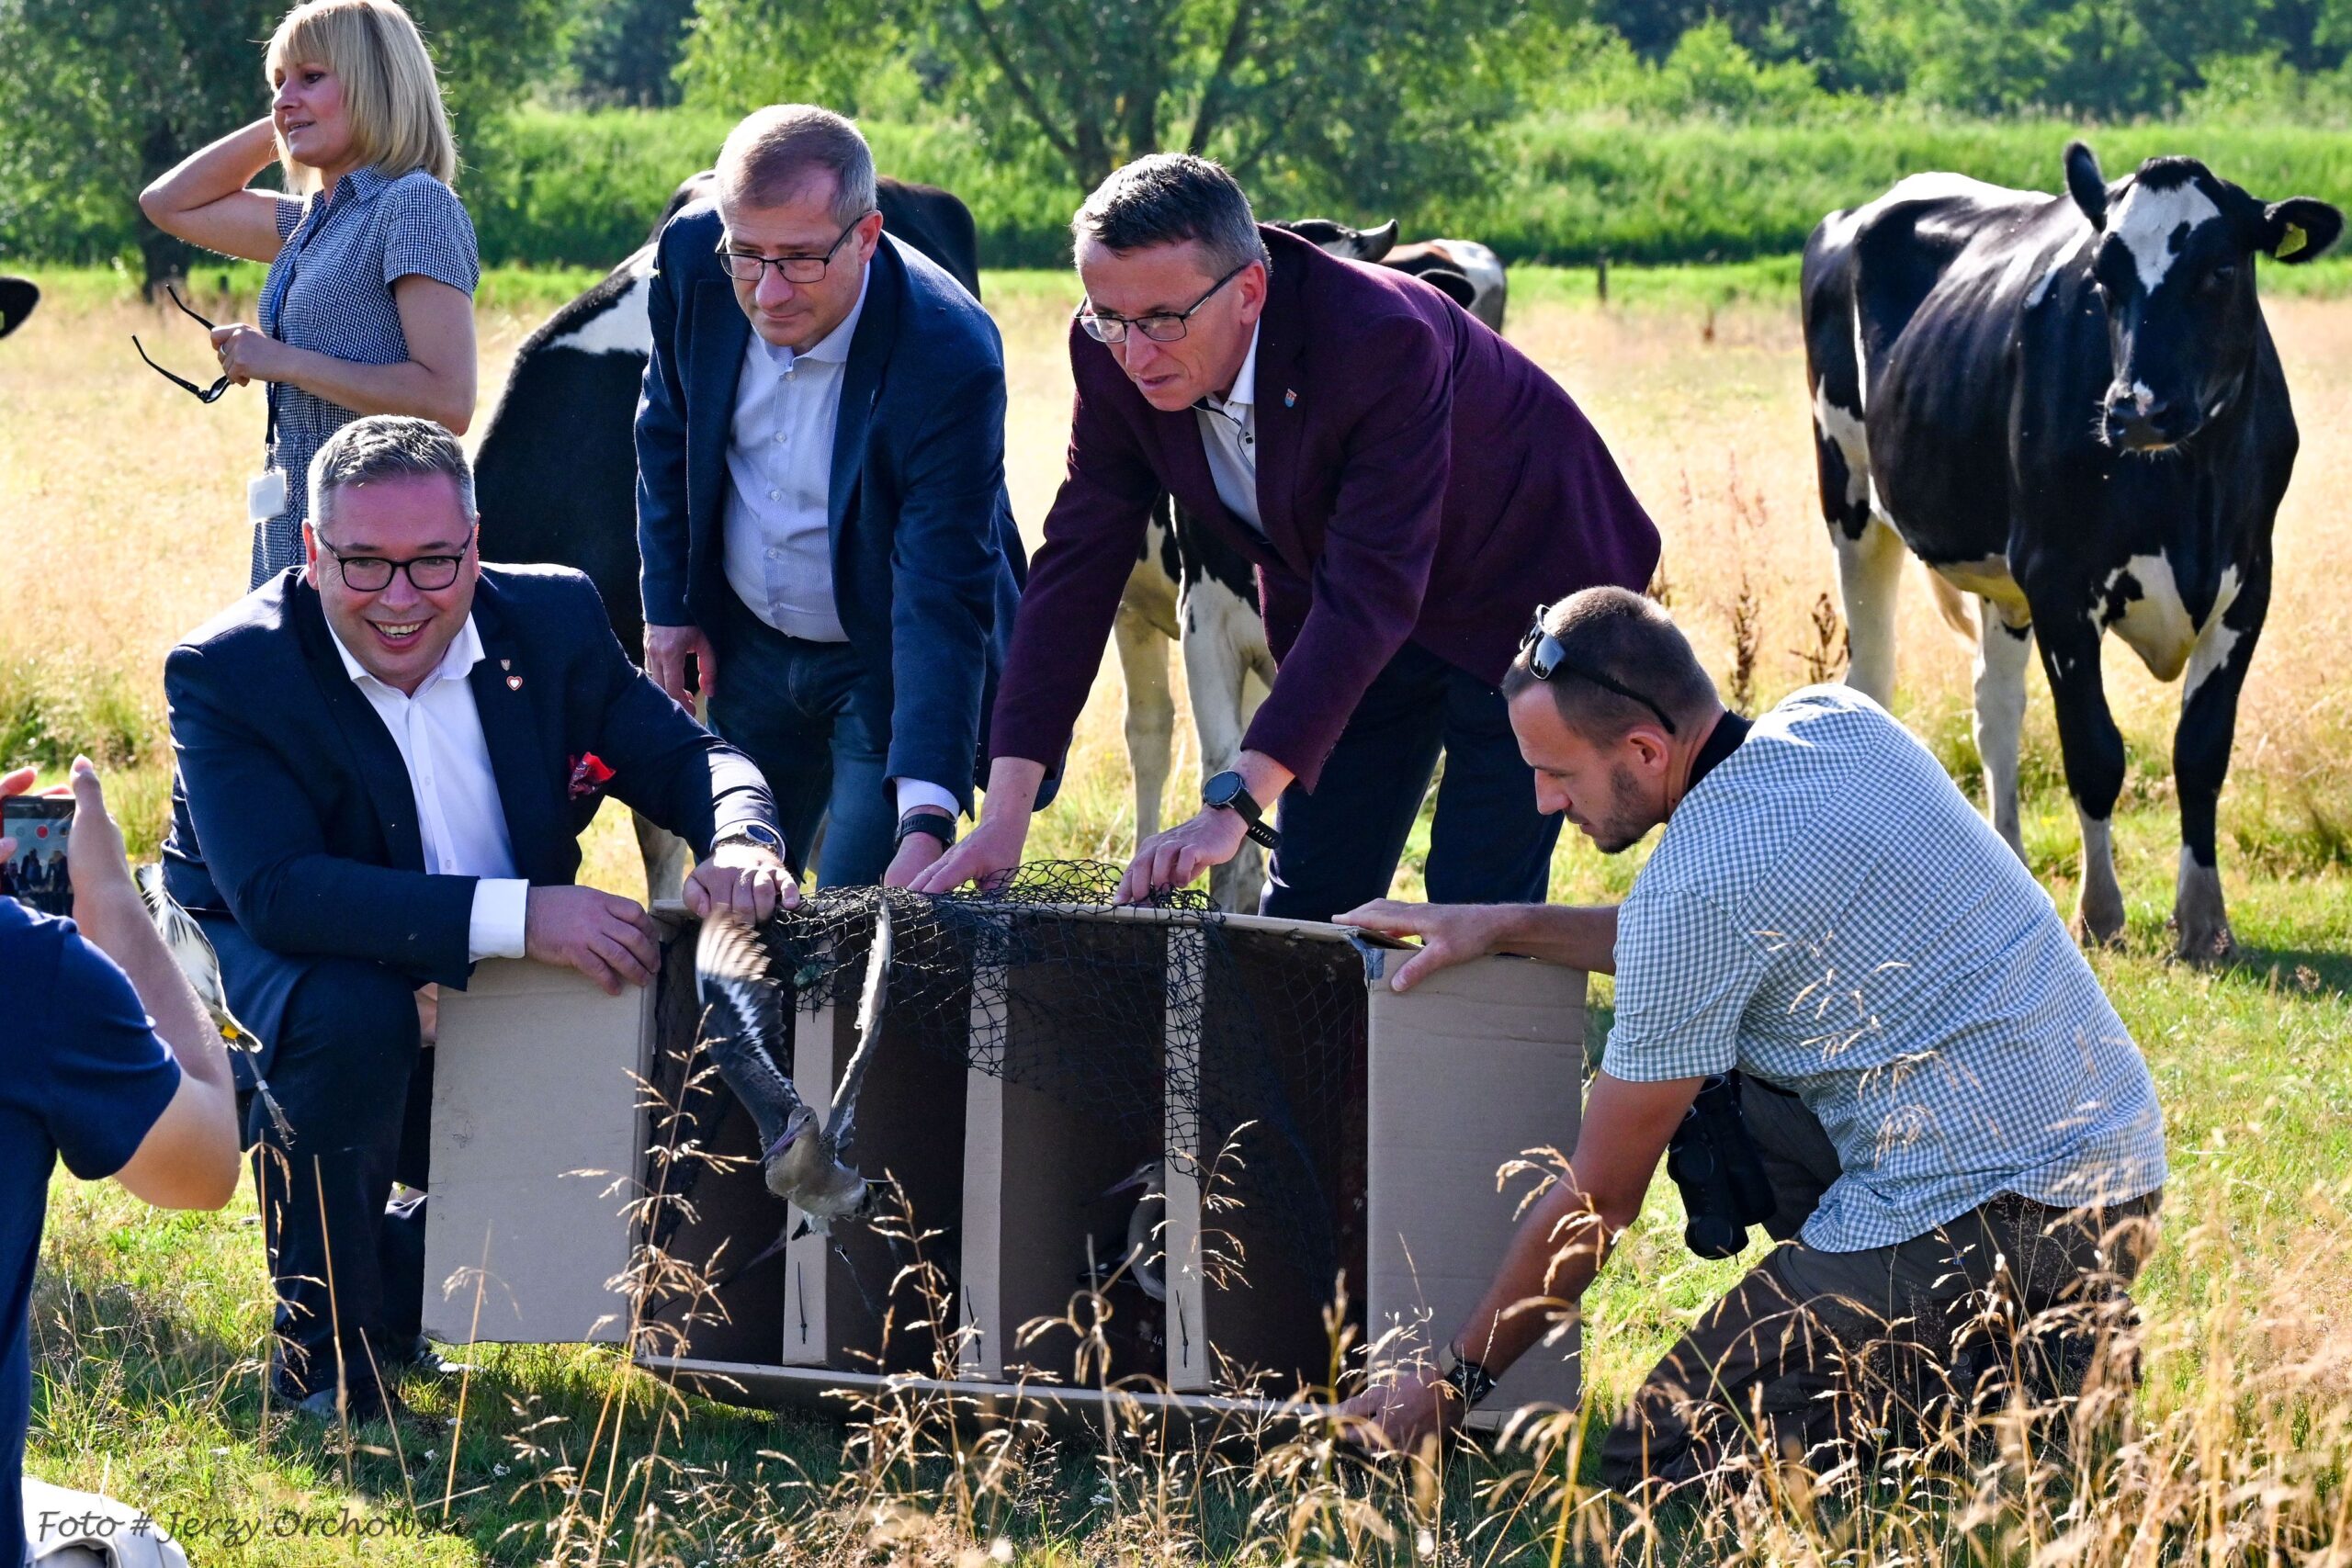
pixel 1146 1260
pixel 192 951
pixel 743 1023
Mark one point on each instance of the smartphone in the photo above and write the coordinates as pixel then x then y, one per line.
pixel 34 874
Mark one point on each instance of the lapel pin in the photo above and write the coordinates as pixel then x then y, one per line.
pixel 506 664
pixel 1290 399
pixel 513 683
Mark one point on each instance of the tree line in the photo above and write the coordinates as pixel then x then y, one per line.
pixel 1361 107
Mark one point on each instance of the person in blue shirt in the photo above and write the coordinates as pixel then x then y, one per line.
pixel 109 1062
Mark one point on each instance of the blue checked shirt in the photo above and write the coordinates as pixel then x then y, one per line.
pixel 330 290
pixel 1827 913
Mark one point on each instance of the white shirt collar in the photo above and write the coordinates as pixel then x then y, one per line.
pixel 833 347
pixel 1245 385
pixel 465 652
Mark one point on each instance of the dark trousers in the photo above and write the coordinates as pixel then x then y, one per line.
pixel 785 702
pixel 1488 844
pixel 1815 1355
pixel 356 1090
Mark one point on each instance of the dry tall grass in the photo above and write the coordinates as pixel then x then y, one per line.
pixel 119 517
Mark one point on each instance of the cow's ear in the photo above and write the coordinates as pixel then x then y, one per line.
pixel 2085 184
pixel 1375 243
pixel 2300 229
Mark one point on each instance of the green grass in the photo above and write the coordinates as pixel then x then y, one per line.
pixel 149 1327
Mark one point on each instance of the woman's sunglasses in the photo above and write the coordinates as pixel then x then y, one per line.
pixel 203 394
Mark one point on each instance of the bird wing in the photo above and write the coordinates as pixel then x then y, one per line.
pixel 191 949
pixel 743 1023
pixel 840 1126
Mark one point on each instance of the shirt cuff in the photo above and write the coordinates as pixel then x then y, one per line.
pixel 496 929
pixel 914 792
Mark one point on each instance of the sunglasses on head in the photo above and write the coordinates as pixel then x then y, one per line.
pixel 1546 658
pixel 203 394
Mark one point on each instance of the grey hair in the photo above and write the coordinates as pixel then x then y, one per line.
pixel 774 153
pixel 1169 197
pixel 380 446
pixel 1632 640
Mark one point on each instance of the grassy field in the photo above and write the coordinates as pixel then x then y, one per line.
pixel 120 513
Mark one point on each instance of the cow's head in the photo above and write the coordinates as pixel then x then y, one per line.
pixel 18 297
pixel 2173 265
pixel 1339 240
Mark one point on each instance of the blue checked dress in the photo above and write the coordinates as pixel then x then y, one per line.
pixel 1825 911
pixel 330 290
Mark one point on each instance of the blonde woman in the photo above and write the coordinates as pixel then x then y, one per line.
pixel 368 305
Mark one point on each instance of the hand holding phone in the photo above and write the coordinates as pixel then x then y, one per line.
pixel 34 832
pixel 39 866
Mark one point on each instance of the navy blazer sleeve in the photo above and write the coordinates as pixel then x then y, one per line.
pixel 266 849
pixel 945 565
pixel 660 435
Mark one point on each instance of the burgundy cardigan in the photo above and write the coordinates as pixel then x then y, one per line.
pixel 1417 477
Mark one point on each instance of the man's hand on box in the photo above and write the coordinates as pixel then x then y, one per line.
pixel 745 880
pixel 1449 934
pixel 1402 1414
pixel 605 936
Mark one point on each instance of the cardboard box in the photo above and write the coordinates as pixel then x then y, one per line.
pixel 1417 1102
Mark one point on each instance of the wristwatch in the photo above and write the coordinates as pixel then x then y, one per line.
pixel 938 824
pixel 753 832
pixel 1465 1376
pixel 1226 792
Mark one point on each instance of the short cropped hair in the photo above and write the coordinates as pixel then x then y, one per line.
pixel 398 122
pixel 1165 199
pixel 775 152
pixel 380 446
pixel 1632 640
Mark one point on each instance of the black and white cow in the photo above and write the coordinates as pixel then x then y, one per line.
pixel 555 479
pixel 2069 407
pixel 18 297
pixel 1468 271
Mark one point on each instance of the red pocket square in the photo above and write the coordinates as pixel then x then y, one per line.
pixel 589 775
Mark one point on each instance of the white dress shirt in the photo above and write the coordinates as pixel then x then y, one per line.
pixel 458 815
pixel 777 534
pixel 1229 435
pixel 776 537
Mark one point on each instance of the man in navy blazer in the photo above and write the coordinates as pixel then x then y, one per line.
pixel 1410 486
pixel 822 507
pixel 385 758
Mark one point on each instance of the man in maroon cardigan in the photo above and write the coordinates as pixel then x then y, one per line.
pixel 1411 488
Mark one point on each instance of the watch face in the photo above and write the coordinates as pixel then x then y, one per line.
pixel 1221 790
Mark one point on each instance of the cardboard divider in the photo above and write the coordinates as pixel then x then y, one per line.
pixel 1039 1159
pixel 845 1291
pixel 1282 1220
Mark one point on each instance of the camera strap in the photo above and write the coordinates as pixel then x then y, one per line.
pixel 1729 731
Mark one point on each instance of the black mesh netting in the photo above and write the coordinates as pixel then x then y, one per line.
pixel 1231 1048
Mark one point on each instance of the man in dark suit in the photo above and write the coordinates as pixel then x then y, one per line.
pixel 1410 486
pixel 820 498
pixel 385 758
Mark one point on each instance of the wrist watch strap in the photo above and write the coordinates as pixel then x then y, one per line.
pixel 1466 1377
pixel 938 824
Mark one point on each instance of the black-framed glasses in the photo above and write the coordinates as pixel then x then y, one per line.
pixel 373 574
pixel 1165 326
pixel 203 394
pixel 1545 657
pixel 745 267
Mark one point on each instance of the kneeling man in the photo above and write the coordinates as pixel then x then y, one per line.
pixel 1946 1108
pixel 384 757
